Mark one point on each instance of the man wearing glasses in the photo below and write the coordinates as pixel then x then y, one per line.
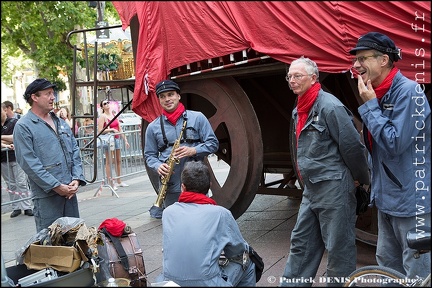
pixel 47 151
pixel 397 131
pixel 330 158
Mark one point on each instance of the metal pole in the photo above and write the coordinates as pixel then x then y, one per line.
pixel 101 10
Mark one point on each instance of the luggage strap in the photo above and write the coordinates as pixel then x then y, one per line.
pixel 120 250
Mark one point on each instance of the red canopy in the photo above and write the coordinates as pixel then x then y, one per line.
pixel 176 33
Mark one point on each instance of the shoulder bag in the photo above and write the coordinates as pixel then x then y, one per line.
pixel 259 263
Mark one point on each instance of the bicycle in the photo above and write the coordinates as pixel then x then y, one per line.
pixel 378 276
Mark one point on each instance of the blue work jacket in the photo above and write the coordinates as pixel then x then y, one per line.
pixel 198 132
pixel 330 154
pixel 401 148
pixel 194 236
pixel 48 158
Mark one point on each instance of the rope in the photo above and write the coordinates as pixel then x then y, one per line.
pixel 28 193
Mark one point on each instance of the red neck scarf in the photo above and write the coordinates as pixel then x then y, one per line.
pixel 304 105
pixel 380 91
pixel 175 115
pixel 195 197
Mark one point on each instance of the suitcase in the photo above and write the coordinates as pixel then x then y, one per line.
pixel 131 266
pixel 22 277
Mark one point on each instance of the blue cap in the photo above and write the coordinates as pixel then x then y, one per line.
pixel 166 85
pixel 36 86
pixel 379 42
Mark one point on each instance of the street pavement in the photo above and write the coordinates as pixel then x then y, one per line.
pixel 266 225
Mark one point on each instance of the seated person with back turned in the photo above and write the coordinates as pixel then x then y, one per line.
pixel 195 233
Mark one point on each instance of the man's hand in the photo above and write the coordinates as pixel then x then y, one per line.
pixel 9 146
pixel 366 92
pixel 74 184
pixel 163 169
pixel 185 151
pixel 67 191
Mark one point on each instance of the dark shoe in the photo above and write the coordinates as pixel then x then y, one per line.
pixel 156 212
pixel 15 213
pixel 28 212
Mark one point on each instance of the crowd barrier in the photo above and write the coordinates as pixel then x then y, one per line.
pixel 20 195
pixel 94 160
pixel 132 160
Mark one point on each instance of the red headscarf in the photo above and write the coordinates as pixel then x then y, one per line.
pixel 195 197
pixel 175 115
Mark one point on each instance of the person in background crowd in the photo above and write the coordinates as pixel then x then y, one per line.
pixel 47 151
pixel 196 225
pixel 19 112
pixel 329 158
pixel 117 131
pixel 198 140
pixel 13 175
pixel 10 110
pixel 397 131
pixel 88 126
pixel 64 114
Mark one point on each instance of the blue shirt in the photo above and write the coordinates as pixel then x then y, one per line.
pixel 194 236
pixel 199 133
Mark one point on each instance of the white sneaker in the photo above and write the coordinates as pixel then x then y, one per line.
pixel 115 187
pixel 123 184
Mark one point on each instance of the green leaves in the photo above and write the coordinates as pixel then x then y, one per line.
pixel 109 58
pixel 37 31
pixel 108 61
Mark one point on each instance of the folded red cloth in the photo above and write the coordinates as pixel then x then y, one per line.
pixel 114 226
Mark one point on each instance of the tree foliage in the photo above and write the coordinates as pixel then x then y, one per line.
pixel 38 31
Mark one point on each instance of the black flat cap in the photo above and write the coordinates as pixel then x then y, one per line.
pixel 166 85
pixel 37 85
pixel 379 42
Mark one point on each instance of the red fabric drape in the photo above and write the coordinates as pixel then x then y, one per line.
pixel 175 33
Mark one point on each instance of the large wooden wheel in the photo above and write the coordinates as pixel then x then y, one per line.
pixel 236 126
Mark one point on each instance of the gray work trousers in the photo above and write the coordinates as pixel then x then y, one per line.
pixel 49 209
pixel 316 230
pixel 392 247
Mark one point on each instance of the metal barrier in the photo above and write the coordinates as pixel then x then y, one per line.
pixel 95 162
pixel 131 162
pixel 20 195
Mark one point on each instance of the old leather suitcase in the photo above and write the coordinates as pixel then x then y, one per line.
pixel 112 265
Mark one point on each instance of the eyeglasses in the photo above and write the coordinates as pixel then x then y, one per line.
pixel 362 59
pixel 297 77
pixel 105 103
